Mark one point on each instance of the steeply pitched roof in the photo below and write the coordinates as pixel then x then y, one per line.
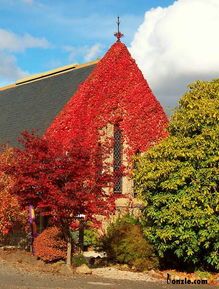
pixel 33 103
pixel 115 91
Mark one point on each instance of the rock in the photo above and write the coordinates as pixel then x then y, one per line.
pixel 6 248
pixel 124 267
pixel 151 272
pixel 155 274
pixel 65 270
pixel 58 264
pixel 83 269
pixel 94 254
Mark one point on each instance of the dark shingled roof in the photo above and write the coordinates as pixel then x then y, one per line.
pixel 35 104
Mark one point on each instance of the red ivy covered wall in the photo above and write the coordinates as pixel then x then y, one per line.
pixel 116 91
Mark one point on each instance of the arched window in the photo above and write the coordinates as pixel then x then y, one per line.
pixel 117 159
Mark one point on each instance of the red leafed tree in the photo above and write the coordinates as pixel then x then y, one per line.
pixel 10 210
pixel 59 183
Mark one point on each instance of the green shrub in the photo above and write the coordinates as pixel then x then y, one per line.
pixel 203 274
pixel 78 260
pixel 90 238
pixel 178 180
pixel 124 243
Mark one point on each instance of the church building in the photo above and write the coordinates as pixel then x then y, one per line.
pixel 102 102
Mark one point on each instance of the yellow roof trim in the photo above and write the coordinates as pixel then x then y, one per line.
pixel 87 64
pixel 47 74
pixel 7 86
pixel 53 72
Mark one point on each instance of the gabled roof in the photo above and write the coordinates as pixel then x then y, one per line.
pixel 33 102
pixel 115 92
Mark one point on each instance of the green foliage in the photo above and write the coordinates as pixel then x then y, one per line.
pixel 128 219
pixel 124 243
pixel 78 260
pixel 90 237
pixel 179 181
pixel 203 275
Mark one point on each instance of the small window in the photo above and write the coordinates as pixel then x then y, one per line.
pixel 117 159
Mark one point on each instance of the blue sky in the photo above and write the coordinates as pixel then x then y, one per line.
pixel 70 28
pixel 173 41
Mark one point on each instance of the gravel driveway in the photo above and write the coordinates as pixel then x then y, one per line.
pixel 13 278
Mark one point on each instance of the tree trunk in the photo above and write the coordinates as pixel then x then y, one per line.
pixel 81 236
pixel 69 251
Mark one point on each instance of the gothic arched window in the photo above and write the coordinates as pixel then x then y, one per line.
pixel 117 159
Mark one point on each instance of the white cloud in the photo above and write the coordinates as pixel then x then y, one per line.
pixel 73 52
pixel 176 45
pixel 93 52
pixel 88 53
pixel 12 42
pixel 9 71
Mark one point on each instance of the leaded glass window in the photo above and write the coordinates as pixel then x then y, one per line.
pixel 117 159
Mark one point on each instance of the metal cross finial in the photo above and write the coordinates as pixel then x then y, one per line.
pixel 118 22
pixel 118 34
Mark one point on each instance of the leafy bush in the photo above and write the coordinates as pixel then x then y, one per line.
pixel 17 237
pixel 203 275
pixel 178 180
pixel 124 243
pixel 78 260
pixel 50 245
pixel 11 213
pixel 90 238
